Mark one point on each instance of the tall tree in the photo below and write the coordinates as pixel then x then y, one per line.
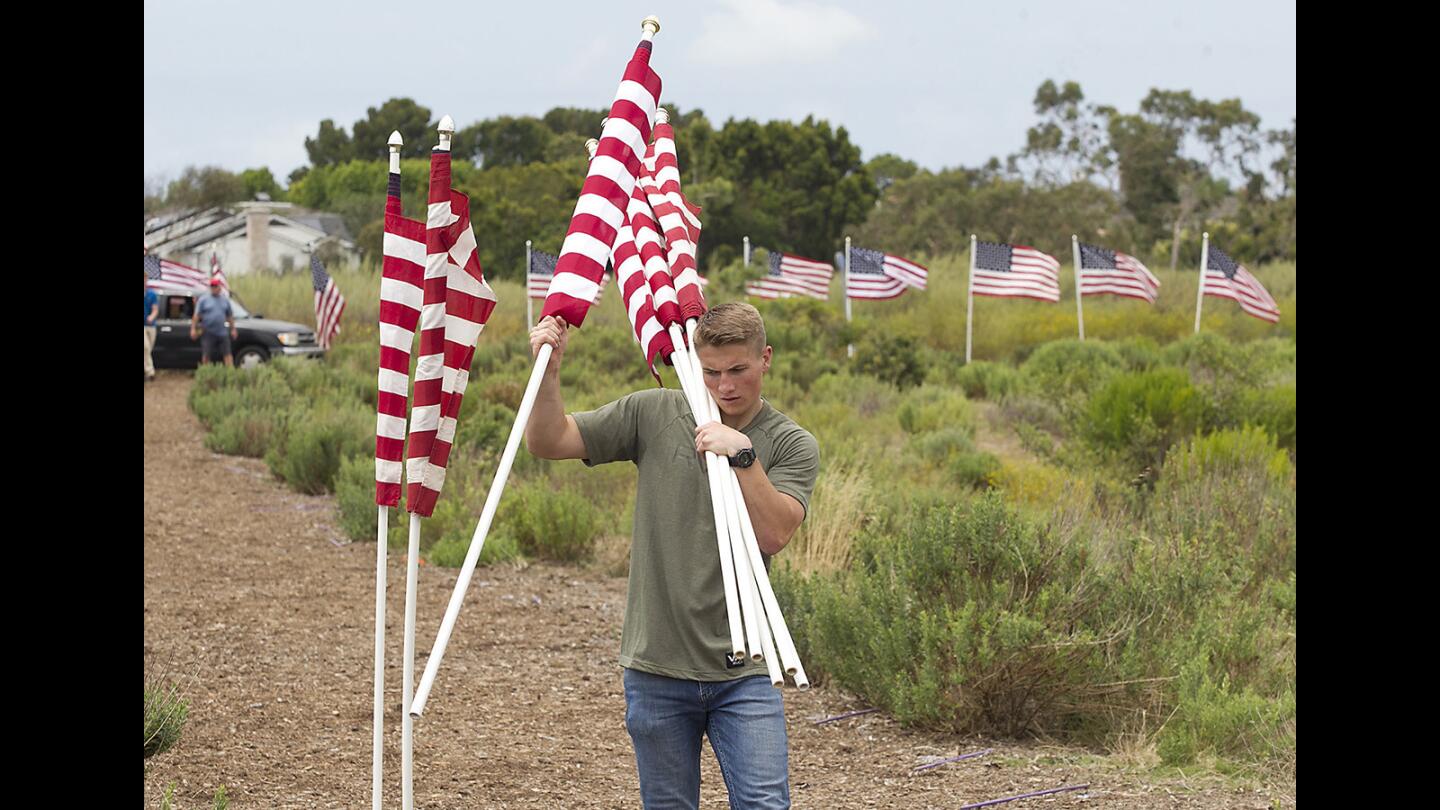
pixel 330 145
pixel 372 133
pixel 204 187
pixel 1069 143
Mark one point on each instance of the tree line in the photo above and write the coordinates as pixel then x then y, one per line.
pixel 1145 182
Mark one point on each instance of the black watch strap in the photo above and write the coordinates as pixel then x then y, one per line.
pixel 744 458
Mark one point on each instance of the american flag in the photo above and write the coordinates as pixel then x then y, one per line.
pixel 679 219
pixel 165 274
pixel 793 275
pixel 542 272
pixel 600 212
pixel 329 303
pixel 401 296
pixel 646 232
pixel 430 360
pixel 216 272
pixel 1110 272
pixel 868 278
pixel 469 301
pixel 1015 271
pixel 1226 278
pixel 639 303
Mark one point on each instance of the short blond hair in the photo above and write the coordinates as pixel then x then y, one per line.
pixel 729 324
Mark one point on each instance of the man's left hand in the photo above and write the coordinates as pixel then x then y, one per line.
pixel 719 439
pixel 234 333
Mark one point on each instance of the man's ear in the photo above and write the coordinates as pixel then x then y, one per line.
pixel 765 358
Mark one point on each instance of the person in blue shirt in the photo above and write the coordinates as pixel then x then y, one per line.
pixel 152 312
pixel 216 319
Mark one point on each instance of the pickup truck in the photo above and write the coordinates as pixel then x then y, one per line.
pixel 259 338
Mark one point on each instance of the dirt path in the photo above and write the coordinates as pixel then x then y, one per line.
pixel 253 597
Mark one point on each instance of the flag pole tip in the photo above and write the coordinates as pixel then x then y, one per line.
pixel 1206 234
pixel 652 22
pixel 395 140
pixel 447 124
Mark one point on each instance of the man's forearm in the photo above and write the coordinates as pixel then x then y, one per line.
pixel 774 514
pixel 547 418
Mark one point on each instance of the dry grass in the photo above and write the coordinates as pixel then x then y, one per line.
pixel 838 510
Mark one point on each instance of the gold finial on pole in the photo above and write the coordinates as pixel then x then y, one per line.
pixel 650 26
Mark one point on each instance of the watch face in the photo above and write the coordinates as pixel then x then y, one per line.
pixel 745 457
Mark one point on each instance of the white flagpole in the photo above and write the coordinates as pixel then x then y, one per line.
pixel 1200 290
pixel 849 348
pixel 783 641
pixel 649 27
pixel 727 532
pixel 377 757
pixel 747 251
pixel 529 302
pixel 1079 310
pixel 970 301
pixel 382 542
pixel 412 575
pixel 407 724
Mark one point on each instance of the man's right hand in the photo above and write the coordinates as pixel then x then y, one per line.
pixel 553 330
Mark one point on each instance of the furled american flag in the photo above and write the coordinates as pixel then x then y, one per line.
pixel 469 302
pixel 793 275
pixel 1226 278
pixel 1110 272
pixel 639 302
pixel 600 211
pixel 216 272
pixel 868 277
pixel 679 219
pixel 329 303
pixel 165 274
pixel 401 296
pixel 1015 271
pixel 542 272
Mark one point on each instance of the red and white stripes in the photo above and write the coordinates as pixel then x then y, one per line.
pixel 600 212
pixel 401 297
pixel 430 364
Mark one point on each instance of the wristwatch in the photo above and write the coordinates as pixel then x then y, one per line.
pixel 744 458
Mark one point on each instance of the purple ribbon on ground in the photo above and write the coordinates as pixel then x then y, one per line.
pixel 950 760
pixel 1025 796
pixel 843 716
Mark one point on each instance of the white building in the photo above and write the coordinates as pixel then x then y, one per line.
pixel 248 237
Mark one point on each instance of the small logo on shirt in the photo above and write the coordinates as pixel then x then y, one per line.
pixel 734 662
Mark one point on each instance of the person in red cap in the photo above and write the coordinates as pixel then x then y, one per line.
pixel 214 320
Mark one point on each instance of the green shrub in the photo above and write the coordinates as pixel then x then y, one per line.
pixel 970 620
pixel 316 439
pixel 982 380
pixel 1065 372
pixel 165 715
pixel 1138 416
pixel 930 408
pixel 450 551
pixel 551 524
pixel 894 359
pixel 246 432
pixel 1215 717
pixel 1273 409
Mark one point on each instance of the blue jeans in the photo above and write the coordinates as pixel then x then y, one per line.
pixel 745 719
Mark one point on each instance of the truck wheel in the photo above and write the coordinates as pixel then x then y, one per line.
pixel 251 357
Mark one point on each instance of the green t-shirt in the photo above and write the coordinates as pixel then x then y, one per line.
pixel 675 620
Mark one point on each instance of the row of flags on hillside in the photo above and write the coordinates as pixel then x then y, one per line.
pixel 329 303
pixel 1004 270
pixel 873 274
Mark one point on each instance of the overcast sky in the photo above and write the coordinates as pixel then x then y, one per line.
pixel 240 85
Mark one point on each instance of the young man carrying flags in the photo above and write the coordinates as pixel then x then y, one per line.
pixel 680 682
